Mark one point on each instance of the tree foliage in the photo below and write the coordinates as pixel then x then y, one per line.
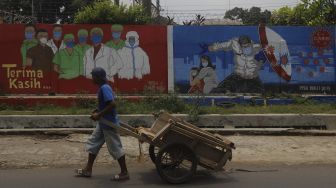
pixel 252 16
pixel 199 20
pixel 46 11
pixel 308 12
pixel 104 12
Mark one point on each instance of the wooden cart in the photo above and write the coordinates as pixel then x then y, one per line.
pixel 177 147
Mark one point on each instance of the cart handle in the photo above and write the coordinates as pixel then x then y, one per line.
pixel 123 129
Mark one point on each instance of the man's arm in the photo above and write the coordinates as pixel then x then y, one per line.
pixel 56 69
pixel 56 62
pixel 97 115
pixel 220 46
pixel 29 58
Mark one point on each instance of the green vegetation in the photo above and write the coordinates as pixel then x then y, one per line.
pixel 307 12
pixel 106 12
pixel 172 104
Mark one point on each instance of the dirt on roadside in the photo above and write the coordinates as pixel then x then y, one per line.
pixel 58 151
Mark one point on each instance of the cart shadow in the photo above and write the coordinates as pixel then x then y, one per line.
pixel 202 177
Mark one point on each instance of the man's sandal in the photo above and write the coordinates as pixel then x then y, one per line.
pixel 82 173
pixel 119 177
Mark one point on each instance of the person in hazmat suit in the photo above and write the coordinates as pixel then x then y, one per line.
pixel 134 59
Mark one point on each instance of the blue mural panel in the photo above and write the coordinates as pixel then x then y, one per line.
pixel 254 59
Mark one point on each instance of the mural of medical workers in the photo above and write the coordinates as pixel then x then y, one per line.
pixel 82 45
pixel 116 43
pixel 204 78
pixel 68 62
pixel 56 43
pixel 257 59
pixel 100 55
pixel 135 61
pixel 29 41
pixel 248 60
pixel 40 56
pixel 29 66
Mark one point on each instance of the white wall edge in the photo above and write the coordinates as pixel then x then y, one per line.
pixel 170 49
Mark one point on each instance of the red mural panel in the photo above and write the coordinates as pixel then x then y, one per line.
pixel 137 59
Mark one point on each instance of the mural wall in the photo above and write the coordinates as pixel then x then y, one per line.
pixel 58 59
pixel 254 59
pixel 45 59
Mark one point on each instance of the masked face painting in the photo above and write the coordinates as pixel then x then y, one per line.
pixel 82 39
pixel 204 62
pixel 42 37
pixel 29 33
pixel 116 35
pixel 96 38
pixel 70 43
pixel 247 50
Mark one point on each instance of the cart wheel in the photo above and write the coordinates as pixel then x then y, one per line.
pixel 153 151
pixel 176 163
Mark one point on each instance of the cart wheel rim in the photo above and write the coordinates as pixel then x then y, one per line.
pixel 176 163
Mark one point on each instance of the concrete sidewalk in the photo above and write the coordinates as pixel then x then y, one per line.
pixel 68 150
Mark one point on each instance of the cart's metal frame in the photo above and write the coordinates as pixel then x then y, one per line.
pixel 212 151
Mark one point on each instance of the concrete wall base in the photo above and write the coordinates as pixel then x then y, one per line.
pixel 317 121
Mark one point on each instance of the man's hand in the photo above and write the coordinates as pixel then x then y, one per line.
pixel 95 116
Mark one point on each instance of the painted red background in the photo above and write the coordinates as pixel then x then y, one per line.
pixel 153 40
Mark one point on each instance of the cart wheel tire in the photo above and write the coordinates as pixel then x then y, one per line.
pixel 176 163
pixel 153 151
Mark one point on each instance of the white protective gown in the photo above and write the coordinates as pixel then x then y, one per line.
pixel 135 61
pixel 246 66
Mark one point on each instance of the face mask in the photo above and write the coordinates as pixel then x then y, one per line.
pixel 82 39
pixel 247 51
pixel 70 44
pixel 204 64
pixel 29 35
pixel 57 34
pixel 96 39
pixel 43 40
pixel 116 35
pixel 131 41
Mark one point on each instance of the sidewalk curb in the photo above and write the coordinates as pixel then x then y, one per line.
pixel 226 132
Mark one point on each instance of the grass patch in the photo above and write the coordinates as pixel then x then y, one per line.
pixel 148 107
pixel 273 109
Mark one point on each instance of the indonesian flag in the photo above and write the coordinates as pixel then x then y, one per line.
pixel 279 57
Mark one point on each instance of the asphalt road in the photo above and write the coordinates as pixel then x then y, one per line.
pixel 243 176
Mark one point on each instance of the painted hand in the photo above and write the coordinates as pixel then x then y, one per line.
pixel 269 49
pixel 261 57
pixel 204 48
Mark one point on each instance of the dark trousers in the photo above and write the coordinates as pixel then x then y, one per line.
pixel 236 84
